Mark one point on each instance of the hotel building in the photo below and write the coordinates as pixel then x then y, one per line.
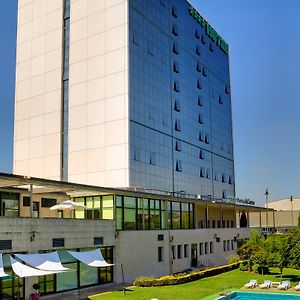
pixel 123 93
pixel 123 106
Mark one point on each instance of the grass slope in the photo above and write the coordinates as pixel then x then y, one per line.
pixel 204 288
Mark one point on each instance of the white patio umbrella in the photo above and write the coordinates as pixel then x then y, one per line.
pixel 68 205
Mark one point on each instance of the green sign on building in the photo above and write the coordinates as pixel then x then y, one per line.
pixel 214 36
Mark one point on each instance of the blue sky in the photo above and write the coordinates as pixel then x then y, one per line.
pixel 265 78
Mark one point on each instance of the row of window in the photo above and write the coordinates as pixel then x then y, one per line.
pixel 216 224
pixel 145 214
pixel 228 245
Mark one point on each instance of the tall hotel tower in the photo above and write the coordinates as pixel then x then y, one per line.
pixel 123 93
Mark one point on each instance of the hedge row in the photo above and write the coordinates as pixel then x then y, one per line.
pixel 183 278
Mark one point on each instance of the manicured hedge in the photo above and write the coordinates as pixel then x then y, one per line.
pixel 183 278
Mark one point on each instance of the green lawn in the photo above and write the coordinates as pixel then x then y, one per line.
pixel 206 288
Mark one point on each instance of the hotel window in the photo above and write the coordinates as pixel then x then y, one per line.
pixel 223 224
pixel 176 86
pixel 223 177
pixel 219 223
pixel 177 125
pixel 199 84
pixel 201 154
pixel 206 248
pixel 224 195
pixel 227 224
pixel 211 47
pixel 201 138
pixel 174 12
pixel 179 251
pixel 175 30
pixel 135 39
pixel 186 250
pixel 175 48
pixel 202 172
pixel 206 139
pixel 216 176
pixel 178 166
pixel 232 245
pixel 173 252
pixel 200 119
pixel 231 224
pixel 9 204
pixel 178 146
pixel 160 254
pixel 203 40
pixel 176 67
pixel 26 201
pixel 185 216
pixel 197 34
pixel 228 245
pixel 224 245
pixel 199 67
pixel 208 223
pixel 226 89
pixel 229 180
pixel 150 50
pixel 200 101
pixel 137 154
pixel 204 72
pixel 211 247
pixel 152 158
pixel 213 223
pixel 177 105
pixel 47 202
pixel 198 52
pixel 130 219
pixel 220 100
pixel 201 249
pixel 208 173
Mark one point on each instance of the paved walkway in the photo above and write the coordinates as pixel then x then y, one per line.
pixel 84 293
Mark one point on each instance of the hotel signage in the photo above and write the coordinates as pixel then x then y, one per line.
pixel 214 36
pixel 240 201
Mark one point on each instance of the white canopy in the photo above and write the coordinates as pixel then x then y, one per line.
pixel 25 271
pixel 2 273
pixel 43 261
pixel 67 205
pixel 92 258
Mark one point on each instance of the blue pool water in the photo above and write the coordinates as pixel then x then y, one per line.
pixel 259 296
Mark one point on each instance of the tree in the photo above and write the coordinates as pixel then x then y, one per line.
pixel 299 220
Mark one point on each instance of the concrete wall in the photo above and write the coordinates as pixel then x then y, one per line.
pixel 138 250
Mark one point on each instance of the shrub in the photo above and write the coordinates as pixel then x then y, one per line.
pixel 259 269
pixel 244 266
pixel 233 259
pixel 183 278
pixel 255 268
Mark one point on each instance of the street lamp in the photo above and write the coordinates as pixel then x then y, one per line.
pixel 292 211
pixel 267 207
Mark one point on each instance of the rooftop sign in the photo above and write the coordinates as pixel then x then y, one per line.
pixel 240 201
pixel 214 36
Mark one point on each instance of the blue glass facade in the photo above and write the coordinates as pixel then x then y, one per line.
pixel 180 104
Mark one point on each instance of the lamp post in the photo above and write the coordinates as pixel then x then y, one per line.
pixel 292 211
pixel 267 207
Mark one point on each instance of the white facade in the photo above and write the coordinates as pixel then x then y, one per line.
pixel 98 91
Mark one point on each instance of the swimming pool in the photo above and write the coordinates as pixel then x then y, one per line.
pixel 259 296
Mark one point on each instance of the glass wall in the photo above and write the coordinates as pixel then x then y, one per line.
pixel 81 275
pixel 150 214
pixel 97 207
pixel 11 287
pixel 9 204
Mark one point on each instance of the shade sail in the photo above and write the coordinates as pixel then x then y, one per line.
pixel 92 258
pixel 26 271
pixel 2 273
pixel 66 205
pixel 43 261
